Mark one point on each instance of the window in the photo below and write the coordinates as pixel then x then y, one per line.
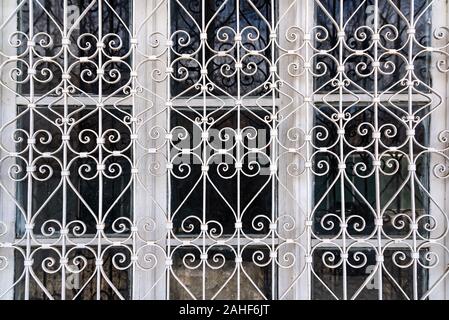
pixel 236 149
pixel 212 142
pixel 74 193
pixel 364 149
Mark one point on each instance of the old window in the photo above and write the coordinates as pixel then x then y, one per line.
pixel 213 141
pixel 234 149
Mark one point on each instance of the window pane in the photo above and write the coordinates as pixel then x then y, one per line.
pixel 81 277
pixel 47 23
pixel 83 189
pixel 221 18
pixel 358 20
pixel 255 282
pixel 359 195
pixel 221 186
pixel 397 274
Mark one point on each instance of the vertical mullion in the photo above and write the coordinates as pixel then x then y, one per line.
pixel 437 282
pixel 8 213
pixel 134 292
pixel 273 154
pixel 445 82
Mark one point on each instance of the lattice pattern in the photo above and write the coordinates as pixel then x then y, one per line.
pixel 238 149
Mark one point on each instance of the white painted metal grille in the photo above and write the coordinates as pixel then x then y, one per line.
pixel 223 149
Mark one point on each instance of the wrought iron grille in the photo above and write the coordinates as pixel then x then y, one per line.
pixel 223 149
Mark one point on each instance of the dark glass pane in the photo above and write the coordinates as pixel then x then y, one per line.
pixel 358 19
pixel 220 267
pixel 221 194
pixel 397 275
pixel 81 280
pixel 359 186
pixel 47 191
pixel 47 25
pixel 222 23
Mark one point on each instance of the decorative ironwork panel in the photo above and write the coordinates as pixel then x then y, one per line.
pixel 223 149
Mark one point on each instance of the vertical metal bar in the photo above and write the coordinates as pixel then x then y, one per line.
pixel 341 150
pixel 29 227
pixel 411 37
pixel 99 261
pixel 169 159
pixel 204 144
pixel 239 131
pixel 64 151
pixel 378 217
pixel 309 178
